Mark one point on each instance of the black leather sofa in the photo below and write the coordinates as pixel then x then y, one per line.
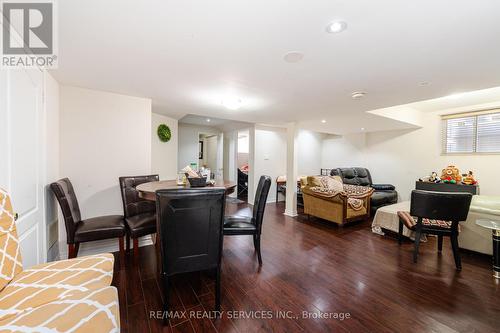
pixel 385 194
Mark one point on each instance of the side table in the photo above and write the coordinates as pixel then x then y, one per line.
pixel 495 227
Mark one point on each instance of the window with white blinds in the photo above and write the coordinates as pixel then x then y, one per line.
pixel 472 133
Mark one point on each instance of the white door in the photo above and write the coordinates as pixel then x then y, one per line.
pixel 21 165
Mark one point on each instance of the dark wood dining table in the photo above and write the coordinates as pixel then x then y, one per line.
pixel 147 190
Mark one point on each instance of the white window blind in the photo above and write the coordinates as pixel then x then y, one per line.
pixel 472 133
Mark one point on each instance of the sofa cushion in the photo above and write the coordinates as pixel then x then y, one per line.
pixel 383 198
pixel 85 311
pixel 52 281
pixel 10 255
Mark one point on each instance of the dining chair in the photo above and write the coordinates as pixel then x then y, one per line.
pixel 436 213
pixel 189 228
pixel 92 229
pixel 140 214
pixel 251 225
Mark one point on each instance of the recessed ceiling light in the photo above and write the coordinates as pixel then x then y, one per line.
pixel 358 95
pixel 454 96
pixel 336 27
pixel 231 103
pixel 323 121
pixel 362 128
pixel 208 120
pixel 293 56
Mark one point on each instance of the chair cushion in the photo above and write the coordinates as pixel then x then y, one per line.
pixel 52 281
pixel 10 255
pixel 88 311
pixel 101 227
pixel 141 225
pixel 410 222
pixel 239 225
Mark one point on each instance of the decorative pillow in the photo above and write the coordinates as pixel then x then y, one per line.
pixel 10 255
pixel 333 183
pixel 314 181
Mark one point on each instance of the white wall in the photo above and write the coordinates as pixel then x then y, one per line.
pixel 103 136
pixel 269 157
pixel 309 150
pixel 51 101
pixel 210 155
pixel 188 143
pixel 164 154
pixel 343 151
pixel 401 157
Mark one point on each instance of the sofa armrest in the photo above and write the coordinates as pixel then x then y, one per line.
pixel 383 187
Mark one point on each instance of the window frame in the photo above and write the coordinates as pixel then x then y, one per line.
pixel 472 114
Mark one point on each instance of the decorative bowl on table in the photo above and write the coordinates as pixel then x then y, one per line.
pixel 197 181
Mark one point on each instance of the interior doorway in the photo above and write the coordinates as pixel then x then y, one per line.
pixel 242 163
pixel 210 151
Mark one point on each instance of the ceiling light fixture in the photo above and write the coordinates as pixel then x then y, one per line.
pixel 231 103
pixel 208 120
pixel 336 27
pixel 323 121
pixel 293 56
pixel 362 128
pixel 358 95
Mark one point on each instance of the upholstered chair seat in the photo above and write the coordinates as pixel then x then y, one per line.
pixel 101 227
pixel 142 224
pixel 239 225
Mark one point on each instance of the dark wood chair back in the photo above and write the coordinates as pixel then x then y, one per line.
pixel 260 201
pixel 65 195
pixel 189 225
pixel 132 203
pixel 446 206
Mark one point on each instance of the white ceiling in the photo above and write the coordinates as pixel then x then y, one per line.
pixel 221 124
pixel 186 55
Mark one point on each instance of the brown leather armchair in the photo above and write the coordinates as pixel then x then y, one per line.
pixel 78 230
pixel 140 214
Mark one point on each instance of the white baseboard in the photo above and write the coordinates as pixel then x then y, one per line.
pixel 102 246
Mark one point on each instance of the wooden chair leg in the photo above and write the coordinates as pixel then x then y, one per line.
pixel 77 247
pixel 456 251
pixel 257 248
pixel 136 248
pixel 71 251
pixel 166 299
pixel 122 251
pixel 400 233
pixel 418 235
pixel 128 243
pixel 217 288
pixel 440 243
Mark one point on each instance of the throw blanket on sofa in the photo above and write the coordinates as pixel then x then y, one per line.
pixel 355 194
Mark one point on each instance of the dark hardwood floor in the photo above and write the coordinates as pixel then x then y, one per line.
pixel 320 269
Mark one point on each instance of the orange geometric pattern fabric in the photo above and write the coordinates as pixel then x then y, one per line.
pixel 10 255
pixel 81 312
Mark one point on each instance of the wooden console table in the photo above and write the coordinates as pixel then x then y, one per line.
pixel 447 187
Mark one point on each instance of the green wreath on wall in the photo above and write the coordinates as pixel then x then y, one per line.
pixel 164 133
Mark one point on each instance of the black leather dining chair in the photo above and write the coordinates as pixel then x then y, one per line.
pixel 189 226
pixel 92 229
pixel 436 213
pixel 140 214
pixel 251 225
